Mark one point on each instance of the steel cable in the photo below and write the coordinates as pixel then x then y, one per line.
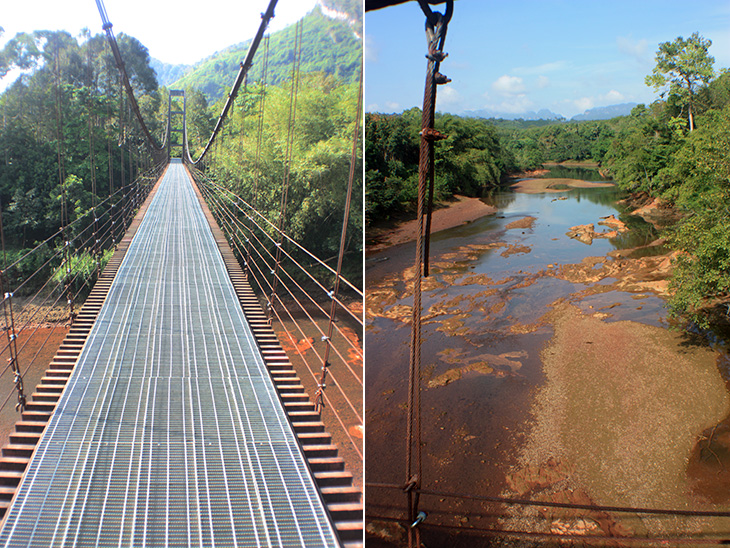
pixel 292 280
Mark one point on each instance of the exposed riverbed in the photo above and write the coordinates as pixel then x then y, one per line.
pixel 549 371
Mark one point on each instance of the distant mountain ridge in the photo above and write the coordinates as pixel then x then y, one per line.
pixel 542 114
pixel 168 73
pixel 597 113
pixel 605 113
pixel 331 45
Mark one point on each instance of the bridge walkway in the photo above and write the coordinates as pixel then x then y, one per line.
pixel 170 431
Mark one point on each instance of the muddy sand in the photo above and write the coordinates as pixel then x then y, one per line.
pixel 537 186
pixel 655 397
pixel 456 213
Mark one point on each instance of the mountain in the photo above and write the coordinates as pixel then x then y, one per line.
pixel 167 73
pixel 347 10
pixel 542 114
pixel 330 45
pixel 605 113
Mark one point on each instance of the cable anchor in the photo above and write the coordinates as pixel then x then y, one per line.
pixel 420 518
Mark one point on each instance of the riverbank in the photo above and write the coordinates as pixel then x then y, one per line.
pixel 452 214
pixel 651 418
pixel 553 185
pixel 527 395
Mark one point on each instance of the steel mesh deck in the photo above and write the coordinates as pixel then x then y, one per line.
pixel 170 431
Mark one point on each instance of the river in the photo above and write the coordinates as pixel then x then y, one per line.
pixel 549 373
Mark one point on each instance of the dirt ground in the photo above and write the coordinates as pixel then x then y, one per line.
pixel 537 186
pixel 659 387
pixel 344 388
pixel 458 212
pixel 36 348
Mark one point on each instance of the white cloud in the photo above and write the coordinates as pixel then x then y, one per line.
pixel 613 96
pixel 543 82
pixel 371 49
pixel 584 103
pixel 509 85
pixel 392 106
pixel 372 107
pixel 638 49
pixel 447 96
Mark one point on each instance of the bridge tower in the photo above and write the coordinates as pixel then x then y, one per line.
pixel 175 124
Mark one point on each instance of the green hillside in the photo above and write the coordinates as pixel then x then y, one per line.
pixel 329 46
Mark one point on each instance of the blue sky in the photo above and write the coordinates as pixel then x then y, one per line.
pixel 524 55
pixel 174 32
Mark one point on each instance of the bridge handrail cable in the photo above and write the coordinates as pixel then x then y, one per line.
pixel 252 234
pixel 272 226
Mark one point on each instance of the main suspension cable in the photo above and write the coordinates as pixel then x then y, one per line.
pixel 242 71
pixel 436 26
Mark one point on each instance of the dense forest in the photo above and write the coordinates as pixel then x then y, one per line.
pixel 64 122
pixel 321 153
pixel 68 130
pixel 676 150
pixel 329 47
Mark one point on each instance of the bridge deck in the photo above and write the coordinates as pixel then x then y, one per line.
pixel 170 431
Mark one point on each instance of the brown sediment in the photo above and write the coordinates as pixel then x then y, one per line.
pixel 525 222
pixel 537 186
pixel 513 249
pixel 482 364
pixel 462 210
pixel 650 417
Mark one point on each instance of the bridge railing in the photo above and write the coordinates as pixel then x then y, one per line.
pixel 296 289
pixel 42 287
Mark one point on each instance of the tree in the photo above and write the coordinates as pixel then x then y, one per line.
pixel 685 66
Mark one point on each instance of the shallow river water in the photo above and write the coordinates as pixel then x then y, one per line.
pixel 548 374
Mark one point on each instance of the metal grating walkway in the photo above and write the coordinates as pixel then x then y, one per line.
pixel 170 431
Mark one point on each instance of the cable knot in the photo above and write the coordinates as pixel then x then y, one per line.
pixel 436 56
pixel 441 79
pixel 432 134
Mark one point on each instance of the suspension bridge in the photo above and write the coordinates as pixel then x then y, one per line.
pixel 170 414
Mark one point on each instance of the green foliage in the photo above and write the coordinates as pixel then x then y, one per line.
pixel 469 161
pixel 325 120
pixel 701 278
pixel 644 144
pixel 655 153
pixel 683 66
pixel 68 102
pixel 329 47
pixel 81 269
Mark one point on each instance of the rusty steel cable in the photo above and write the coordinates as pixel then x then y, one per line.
pixel 242 71
pixel 255 267
pixel 107 27
pixel 436 26
pixel 288 157
pixel 318 397
pixel 569 539
pixel 10 325
pixel 226 222
pixel 346 430
pixel 237 223
pixel 273 227
pixel 260 128
pixel 308 274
